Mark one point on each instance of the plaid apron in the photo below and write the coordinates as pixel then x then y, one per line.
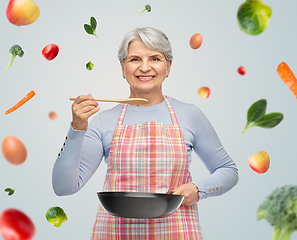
pixel 148 157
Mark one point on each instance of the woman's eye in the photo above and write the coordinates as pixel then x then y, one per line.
pixel 155 59
pixel 134 59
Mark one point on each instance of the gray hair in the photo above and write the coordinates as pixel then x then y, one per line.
pixel 153 38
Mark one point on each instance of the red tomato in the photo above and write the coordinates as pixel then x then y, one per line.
pixel 196 41
pixel 241 70
pixel 16 225
pixel 50 51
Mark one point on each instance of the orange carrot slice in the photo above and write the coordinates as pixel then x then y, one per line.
pixel 22 102
pixel 288 77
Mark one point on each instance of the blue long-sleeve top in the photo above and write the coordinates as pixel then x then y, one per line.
pixel 83 151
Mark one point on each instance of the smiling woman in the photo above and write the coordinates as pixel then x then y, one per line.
pixel 145 56
pixel 146 148
pixel 145 71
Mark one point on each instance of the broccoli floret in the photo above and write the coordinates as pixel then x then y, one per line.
pixel 146 8
pixel 280 210
pixel 15 50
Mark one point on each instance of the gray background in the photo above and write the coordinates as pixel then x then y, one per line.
pixel 225 48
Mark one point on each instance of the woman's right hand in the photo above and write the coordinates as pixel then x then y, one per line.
pixel 83 107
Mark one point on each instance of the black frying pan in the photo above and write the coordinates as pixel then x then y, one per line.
pixel 140 204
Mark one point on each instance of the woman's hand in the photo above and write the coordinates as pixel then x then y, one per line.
pixel 83 107
pixel 190 193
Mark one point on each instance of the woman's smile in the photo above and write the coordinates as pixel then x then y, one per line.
pixel 145 78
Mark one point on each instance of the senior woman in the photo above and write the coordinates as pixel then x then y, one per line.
pixel 146 148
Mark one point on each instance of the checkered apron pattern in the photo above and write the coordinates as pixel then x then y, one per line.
pixel 149 157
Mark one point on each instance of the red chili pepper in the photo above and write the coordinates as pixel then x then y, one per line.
pixel 50 51
pixel 15 224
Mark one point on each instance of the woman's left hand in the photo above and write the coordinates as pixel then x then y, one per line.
pixel 190 193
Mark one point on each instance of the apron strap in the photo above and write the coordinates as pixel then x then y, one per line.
pixel 169 106
pixel 171 111
pixel 122 114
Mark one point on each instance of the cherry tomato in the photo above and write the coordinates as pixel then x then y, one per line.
pixel 196 41
pixel 15 224
pixel 241 70
pixel 50 51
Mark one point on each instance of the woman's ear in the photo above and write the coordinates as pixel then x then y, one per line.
pixel 123 68
pixel 168 67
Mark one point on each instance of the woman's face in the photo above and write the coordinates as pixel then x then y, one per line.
pixel 144 69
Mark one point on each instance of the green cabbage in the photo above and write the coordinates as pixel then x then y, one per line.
pixel 56 216
pixel 253 16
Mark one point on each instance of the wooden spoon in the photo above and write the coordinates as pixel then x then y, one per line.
pixel 137 101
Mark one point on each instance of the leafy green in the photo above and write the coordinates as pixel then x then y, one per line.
pixel 253 16
pixel 88 29
pixel 256 111
pixel 56 216
pixel 91 29
pixel 93 23
pixel 89 65
pixel 269 120
pixel 280 210
pixel 10 191
pixel 146 8
pixel 256 115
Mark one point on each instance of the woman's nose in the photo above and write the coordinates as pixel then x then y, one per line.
pixel 145 66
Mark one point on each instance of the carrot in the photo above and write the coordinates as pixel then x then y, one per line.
pixel 288 77
pixel 22 102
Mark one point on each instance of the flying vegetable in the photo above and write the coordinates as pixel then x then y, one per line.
pixel 15 50
pixel 91 29
pixel 146 8
pixel 56 216
pixel 15 224
pixel 9 190
pixel 253 16
pixel 280 210
pixel 256 116
pixel 50 51
pixel 89 66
